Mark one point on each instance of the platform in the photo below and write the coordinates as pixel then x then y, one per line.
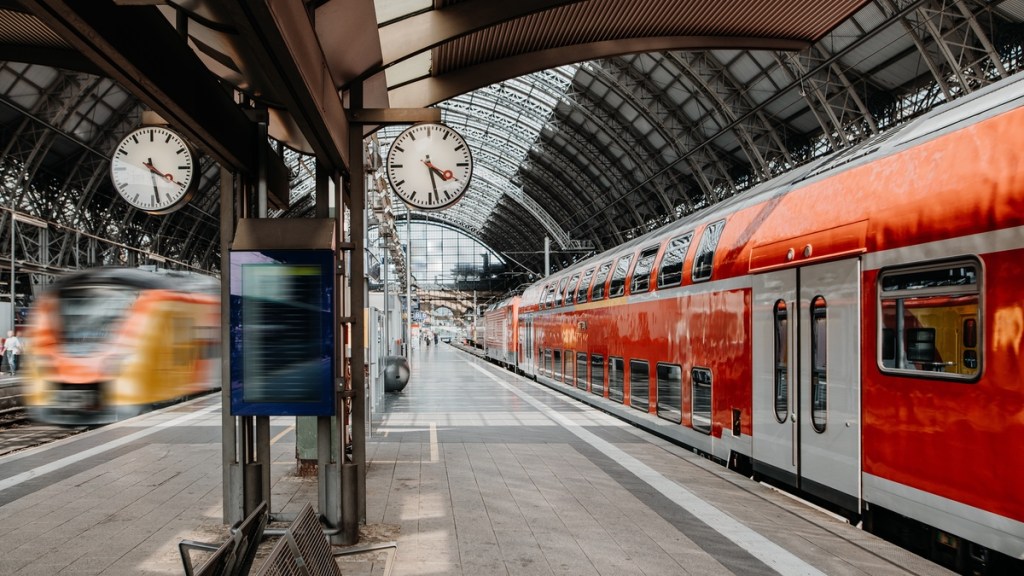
pixel 472 471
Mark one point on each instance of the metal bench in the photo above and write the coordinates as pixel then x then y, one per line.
pixel 303 550
pixel 234 556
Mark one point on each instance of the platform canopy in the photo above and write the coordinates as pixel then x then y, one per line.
pixel 591 121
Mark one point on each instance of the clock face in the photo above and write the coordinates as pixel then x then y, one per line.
pixel 154 170
pixel 429 166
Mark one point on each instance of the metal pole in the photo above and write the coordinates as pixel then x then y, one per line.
pixel 331 486
pixel 384 272
pixel 230 473
pixel 14 314
pixel 408 282
pixel 353 474
pixel 547 256
pixel 261 183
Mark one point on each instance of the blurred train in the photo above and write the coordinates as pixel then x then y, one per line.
pixel 851 331
pixel 106 344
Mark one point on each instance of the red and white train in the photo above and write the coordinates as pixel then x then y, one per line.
pixel 852 329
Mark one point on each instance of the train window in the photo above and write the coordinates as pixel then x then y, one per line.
pixel 557 365
pixel 642 272
pixel 602 274
pixel 920 344
pixel 617 286
pixel 703 263
pixel 581 371
pixel 182 346
pixel 570 374
pixel 560 291
pixel 670 392
pixel 616 379
pixel 781 361
pixel 819 363
pixel 89 315
pixel 639 384
pixel 581 293
pixel 671 271
pixel 547 362
pixel 597 374
pixel 930 319
pixel 700 403
pixel 570 290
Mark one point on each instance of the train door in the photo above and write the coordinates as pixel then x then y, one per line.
pixel 807 379
pixel 525 345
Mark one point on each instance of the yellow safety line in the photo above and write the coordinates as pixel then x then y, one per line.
pixel 282 433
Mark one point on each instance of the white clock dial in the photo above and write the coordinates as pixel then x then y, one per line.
pixel 154 169
pixel 429 166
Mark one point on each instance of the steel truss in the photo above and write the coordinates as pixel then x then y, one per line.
pixel 589 155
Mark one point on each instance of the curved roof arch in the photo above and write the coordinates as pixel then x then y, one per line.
pixel 617 140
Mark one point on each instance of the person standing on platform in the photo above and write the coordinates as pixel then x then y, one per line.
pixel 13 348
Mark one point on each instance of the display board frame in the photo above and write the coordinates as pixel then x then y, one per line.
pixel 282 332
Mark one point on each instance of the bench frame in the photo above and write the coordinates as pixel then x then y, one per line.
pixel 303 549
pixel 235 555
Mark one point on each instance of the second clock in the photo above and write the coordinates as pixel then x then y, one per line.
pixel 154 169
pixel 429 166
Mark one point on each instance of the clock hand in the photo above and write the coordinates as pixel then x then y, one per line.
pixel 156 191
pixel 168 176
pixel 445 175
pixel 433 182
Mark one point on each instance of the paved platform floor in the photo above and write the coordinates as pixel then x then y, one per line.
pixel 472 471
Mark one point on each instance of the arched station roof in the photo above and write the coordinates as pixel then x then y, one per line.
pixel 591 121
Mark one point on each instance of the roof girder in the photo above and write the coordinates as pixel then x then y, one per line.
pixel 429 91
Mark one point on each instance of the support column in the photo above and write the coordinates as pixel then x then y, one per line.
pixel 358 290
pixel 326 182
pixel 231 484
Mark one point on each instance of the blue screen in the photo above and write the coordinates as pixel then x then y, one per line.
pixel 282 342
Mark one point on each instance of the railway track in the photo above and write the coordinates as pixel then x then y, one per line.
pixel 17 431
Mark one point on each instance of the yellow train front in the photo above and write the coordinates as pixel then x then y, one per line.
pixel 106 344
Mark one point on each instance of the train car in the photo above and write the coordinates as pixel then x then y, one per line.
pixel 476 334
pixel 106 344
pixel 500 328
pixel 851 330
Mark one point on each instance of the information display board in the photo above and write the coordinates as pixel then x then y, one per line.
pixel 282 335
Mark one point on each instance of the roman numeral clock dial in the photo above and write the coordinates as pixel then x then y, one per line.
pixel 429 166
pixel 154 170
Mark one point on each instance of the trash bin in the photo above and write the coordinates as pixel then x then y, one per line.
pixel 396 373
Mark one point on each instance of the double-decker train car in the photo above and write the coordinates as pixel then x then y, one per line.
pixel 851 330
pixel 500 331
pixel 109 343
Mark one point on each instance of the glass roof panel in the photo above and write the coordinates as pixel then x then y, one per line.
pixel 389 10
pixel 442 256
pixel 407 70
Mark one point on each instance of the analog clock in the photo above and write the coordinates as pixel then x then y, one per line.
pixel 429 166
pixel 154 169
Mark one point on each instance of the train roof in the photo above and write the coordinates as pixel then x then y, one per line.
pixel 141 278
pixel 985 103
